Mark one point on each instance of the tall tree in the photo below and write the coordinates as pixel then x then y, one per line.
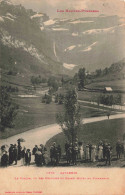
pixel 82 78
pixel 8 109
pixel 70 120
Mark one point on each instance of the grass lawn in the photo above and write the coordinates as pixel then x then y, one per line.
pixel 115 84
pixel 93 96
pixel 111 130
pixel 32 113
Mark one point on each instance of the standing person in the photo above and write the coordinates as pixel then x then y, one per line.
pixel 67 145
pixel 100 152
pixel 69 154
pixel 19 150
pixel 93 153
pixel 38 157
pixel 15 154
pixel 51 154
pixel 59 150
pixel 28 157
pixel 11 154
pixel 45 157
pixel 118 149
pixel 81 151
pixel 104 149
pixel 23 156
pixel 4 159
pixel 87 155
pixel 75 154
pixel 90 150
pixel 35 149
pixel 108 154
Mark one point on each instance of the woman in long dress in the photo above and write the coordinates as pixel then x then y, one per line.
pixel 100 152
pixel 93 153
pixel 87 152
pixel 81 152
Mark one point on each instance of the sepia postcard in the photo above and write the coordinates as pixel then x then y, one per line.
pixel 62 97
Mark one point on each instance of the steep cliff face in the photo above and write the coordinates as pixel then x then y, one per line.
pixel 39 44
pixel 22 41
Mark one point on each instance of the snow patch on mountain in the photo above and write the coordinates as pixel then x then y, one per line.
pixel 1 19
pixel 80 22
pixel 63 20
pixel 98 31
pixel 69 66
pixel 70 48
pixel 60 29
pixel 49 22
pixel 7 17
pixel 75 34
pixel 36 15
pixel 54 48
pixel 89 48
pixel 10 15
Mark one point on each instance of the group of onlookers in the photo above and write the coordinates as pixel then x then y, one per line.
pixel 91 152
pixel 14 154
pixel 40 155
pixel 73 153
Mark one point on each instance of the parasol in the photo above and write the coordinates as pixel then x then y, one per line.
pixel 21 140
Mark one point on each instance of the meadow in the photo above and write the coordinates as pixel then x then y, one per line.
pixel 109 130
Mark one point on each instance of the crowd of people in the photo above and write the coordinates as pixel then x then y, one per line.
pixel 75 152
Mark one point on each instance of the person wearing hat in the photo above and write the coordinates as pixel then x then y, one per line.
pixel 118 149
pixel 23 156
pixel 75 154
pixel 108 154
pixel 69 154
pixel 81 151
pixel 34 150
pixel 87 152
pixel 28 157
pixel 59 150
pixel 4 159
pixel 93 153
pixel 11 154
pixel 100 151
pixel 67 145
pixel 19 150
pixel 15 154
pixel 90 150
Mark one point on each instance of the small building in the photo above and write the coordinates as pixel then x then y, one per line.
pixel 108 89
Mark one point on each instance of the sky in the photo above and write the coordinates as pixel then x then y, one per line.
pixel 107 7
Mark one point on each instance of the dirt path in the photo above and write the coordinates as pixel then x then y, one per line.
pixel 117 107
pixel 41 135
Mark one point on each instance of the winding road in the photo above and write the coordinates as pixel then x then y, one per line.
pixel 41 135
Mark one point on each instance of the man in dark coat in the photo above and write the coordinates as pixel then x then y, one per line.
pixel 90 150
pixel 4 159
pixel 11 154
pixel 108 154
pixel 28 157
pixel 19 150
pixel 118 149
pixel 34 150
pixel 59 150
pixel 67 145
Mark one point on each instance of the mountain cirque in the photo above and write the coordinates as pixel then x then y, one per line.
pixel 32 42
